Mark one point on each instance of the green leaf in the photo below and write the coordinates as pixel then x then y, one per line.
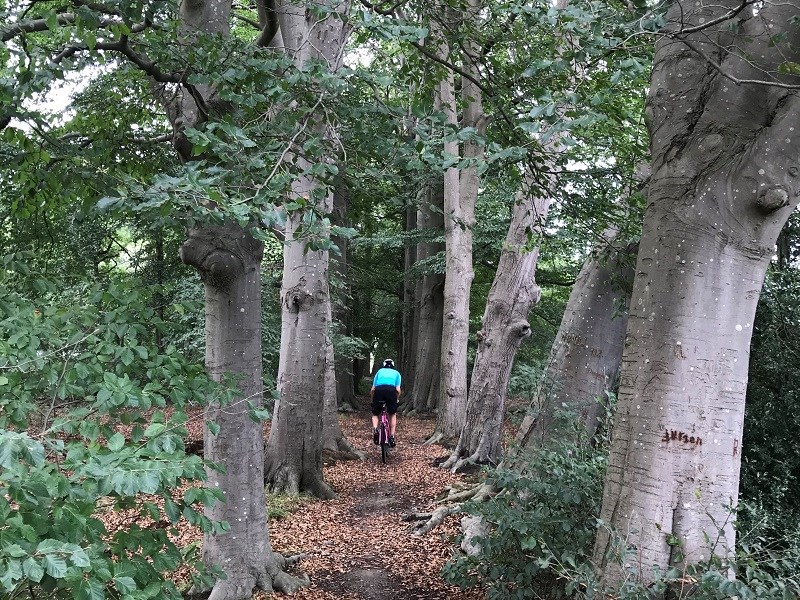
pixel 15 551
pixel 155 429
pixel 125 585
pixel 213 427
pixel 55 566
pixel 116 442
pixel 90 589
pixel 79 557
pixel 33 570
pixel 172 510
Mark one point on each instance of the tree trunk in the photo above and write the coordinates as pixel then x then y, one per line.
pixel 585 357
pixel 460 197
pixel 333 439
pixel 408 353
pixel 505 325
pixel 229 262
pixel 724 182
pixel 293 461
pixel 345 386
pixel 425 390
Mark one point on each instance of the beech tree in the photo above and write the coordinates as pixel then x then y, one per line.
pixel 505 325
pixel 585 357
pixel 294 453
pixel 722 108
pixel 460 195
pixel 424 390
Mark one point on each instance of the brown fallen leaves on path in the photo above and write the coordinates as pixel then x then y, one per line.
pixel 358 546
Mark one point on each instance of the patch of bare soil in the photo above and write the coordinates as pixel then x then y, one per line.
pixel 358 546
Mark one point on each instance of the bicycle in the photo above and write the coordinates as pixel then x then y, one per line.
pixel 383 434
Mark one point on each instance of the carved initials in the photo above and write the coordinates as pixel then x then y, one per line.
pixel 674 435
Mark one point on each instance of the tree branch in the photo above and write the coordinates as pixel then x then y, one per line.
pixel 718 67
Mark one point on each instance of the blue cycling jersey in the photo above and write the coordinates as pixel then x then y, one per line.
pixel 386 376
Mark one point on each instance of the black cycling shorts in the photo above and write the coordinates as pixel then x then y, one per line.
pixel 384 394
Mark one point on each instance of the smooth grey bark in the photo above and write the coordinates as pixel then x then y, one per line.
pixel 460 196
pixel 505 324
pixel 725 178
pixel 228 260
pixel 341 315
pixel 293 461
pixel 338 376
pixel 409 328
pixel 586 354
pixel 430 307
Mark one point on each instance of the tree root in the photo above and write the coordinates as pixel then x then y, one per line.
pixel 288 584
pixel 434 519
pixel 345 448
pixel 437 437
pixel 271 578
pixel 453 504
pixel 285 480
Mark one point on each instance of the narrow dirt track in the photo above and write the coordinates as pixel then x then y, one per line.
pixel 358 546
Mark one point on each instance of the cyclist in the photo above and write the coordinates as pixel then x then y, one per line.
pixel 385 389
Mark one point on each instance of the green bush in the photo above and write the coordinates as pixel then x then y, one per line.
pixel 92 419
pixel 541 525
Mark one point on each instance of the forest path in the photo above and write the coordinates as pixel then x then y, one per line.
pixel 358 546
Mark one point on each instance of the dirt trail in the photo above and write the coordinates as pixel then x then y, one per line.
pixel 358 545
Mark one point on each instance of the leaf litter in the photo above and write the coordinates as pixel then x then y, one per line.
pixel 356 547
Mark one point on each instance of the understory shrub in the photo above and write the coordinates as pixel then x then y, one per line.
pixel 93 421
pixel 540 531
pixel 541 525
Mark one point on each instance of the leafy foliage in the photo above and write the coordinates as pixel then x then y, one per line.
pixel 542 524
pixel 92 419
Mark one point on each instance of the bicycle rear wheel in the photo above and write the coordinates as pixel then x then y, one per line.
pixel 384 443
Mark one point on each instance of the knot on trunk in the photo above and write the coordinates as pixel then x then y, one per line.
pixel 298 298
pixel 220 254
pixel 772 199
pixel 521 328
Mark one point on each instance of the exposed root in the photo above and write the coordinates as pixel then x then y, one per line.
pixel 270 577
pixel 288 561
pixel 437 437
pixel 345 448
pixel 434 519
pixel 285 480
pixel 288 584
pixel 478 492
pixel 454 504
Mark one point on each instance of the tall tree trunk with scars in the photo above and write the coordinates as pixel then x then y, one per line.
pixel 429 295
pixel 725 178
pixel 293 460
pixel 338 376
pixel 229 262
pixel 586 354
pixel 460 197
pixel 505 325
pixel 342 317
pixel 408 353
pixel 505 320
